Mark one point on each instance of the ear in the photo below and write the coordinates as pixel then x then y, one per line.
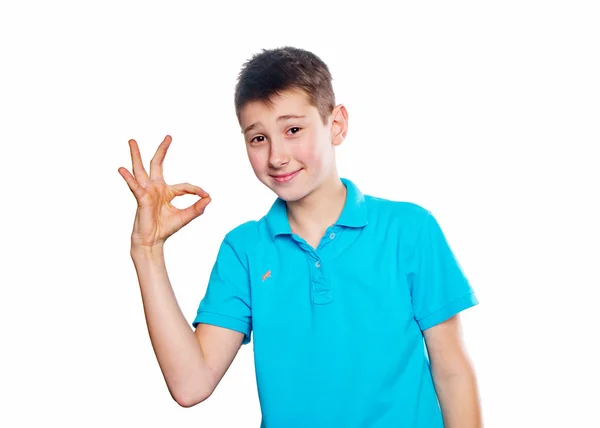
pixel 339 124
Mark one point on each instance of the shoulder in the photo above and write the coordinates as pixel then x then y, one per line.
pixel 243 231
pixel 247 235
pixel 405 215
pixel 406 224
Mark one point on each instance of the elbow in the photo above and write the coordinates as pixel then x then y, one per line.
pixel 189 399
pixel 457 376
pixel 191 390
pixel 187 402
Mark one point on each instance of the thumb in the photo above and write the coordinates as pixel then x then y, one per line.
pixel 195 210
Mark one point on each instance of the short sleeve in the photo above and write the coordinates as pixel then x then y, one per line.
pixel 438 285
pixel 227 300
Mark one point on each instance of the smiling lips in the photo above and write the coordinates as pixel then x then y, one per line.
pixel 284 178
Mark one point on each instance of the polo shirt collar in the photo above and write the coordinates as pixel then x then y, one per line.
pixel 354 213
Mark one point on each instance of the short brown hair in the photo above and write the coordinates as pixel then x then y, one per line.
pixel 273 71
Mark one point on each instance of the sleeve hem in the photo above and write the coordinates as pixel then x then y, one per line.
pixel 448 311
pixel 224 321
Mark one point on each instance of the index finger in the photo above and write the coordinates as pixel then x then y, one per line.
pixel 156 164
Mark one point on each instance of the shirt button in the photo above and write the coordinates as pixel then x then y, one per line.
pixel 318 264
pixel 332 235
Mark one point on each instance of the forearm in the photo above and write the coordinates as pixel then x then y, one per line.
pixel 175 345
pixel 459 399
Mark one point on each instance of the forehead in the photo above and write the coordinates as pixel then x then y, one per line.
pixel 288 103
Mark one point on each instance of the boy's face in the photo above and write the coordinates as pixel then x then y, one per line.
pixel 289 148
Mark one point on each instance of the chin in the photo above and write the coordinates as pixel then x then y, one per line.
pixel 290 195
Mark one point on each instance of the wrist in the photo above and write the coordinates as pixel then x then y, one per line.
pixel 146 251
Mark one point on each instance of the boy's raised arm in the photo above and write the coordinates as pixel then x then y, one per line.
pixel 192 363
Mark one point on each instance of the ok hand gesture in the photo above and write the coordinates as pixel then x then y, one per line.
pixel 156 219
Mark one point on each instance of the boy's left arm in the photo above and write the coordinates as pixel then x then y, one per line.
pixel 453 375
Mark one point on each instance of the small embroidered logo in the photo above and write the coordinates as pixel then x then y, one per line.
pixel 266 275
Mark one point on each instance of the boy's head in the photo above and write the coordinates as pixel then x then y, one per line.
pixel 295 84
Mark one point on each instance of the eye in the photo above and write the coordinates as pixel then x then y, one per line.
pixel 295 127
pixel 258 136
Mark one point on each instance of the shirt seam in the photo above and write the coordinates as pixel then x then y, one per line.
pixel 228 242
pixel 414 245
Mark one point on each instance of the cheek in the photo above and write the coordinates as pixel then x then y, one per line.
pixel 312 151
pixel 306 154
pixel 255 158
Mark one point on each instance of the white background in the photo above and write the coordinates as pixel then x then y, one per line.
pixel 486 114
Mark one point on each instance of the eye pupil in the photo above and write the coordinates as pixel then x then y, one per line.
pixel 260 138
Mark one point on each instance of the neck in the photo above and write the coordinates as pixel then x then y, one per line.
pixel 314 213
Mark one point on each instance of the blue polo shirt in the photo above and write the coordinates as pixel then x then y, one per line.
pixel 337 330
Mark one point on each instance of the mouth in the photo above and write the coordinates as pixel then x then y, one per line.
pixel 284 178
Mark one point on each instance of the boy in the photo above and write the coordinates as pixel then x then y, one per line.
pixel 352 300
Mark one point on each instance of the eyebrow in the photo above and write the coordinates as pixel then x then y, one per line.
pixel 284 117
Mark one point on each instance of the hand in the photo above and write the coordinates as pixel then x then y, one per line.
pixel 156 219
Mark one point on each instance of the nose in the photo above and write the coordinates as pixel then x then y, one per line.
pixel 278 157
